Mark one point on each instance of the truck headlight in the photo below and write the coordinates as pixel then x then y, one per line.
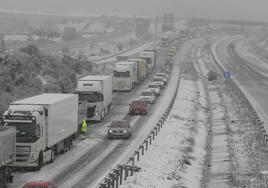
pixel 125 131
pixel 33 157
pixel 97 113
pixel 110 131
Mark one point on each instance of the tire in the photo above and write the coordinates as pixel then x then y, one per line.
pixel 52 157
pixel 40 161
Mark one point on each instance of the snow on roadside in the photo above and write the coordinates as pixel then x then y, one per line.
pixel 176 156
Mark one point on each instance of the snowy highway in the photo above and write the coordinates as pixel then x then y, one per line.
pixel 91 158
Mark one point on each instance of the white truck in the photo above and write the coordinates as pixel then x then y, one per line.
pixel 7 154
pixel 150 57
pixel 96 91
pixel 125 76
pixel 45 124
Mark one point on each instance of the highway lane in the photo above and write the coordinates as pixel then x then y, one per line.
pixel 65 166
pixel 252 82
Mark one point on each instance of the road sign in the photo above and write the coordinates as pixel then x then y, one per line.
pixel 227 75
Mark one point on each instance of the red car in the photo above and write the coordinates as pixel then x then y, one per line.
pixel 138 107
pixel 39 184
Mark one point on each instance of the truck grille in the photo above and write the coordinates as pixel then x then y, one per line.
pixel 22 153
pixel 91 111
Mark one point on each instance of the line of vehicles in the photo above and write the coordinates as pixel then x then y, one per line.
pixel 37 128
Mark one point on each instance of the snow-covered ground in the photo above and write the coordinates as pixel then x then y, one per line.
pixel 176 157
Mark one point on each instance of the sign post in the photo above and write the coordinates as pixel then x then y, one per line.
pixel 227 76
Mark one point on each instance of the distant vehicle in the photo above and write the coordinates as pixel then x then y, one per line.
pixel 119 129
pixel 158 80
pixel 97 92
pixel 154 88
pixel 138 107
pixel 45 124
pixel 171 54
pixel 142 68
pixel 164 76
pixel 7 154
pixel 165 41
pixel 125 76
pixel 147 96
pixel 39 184
pixel 150 57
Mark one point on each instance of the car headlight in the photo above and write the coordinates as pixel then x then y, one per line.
pixel 125 131
pixel 33 157
pixel 110 131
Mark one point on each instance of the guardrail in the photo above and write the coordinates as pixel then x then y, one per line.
pixel 122 172
pixel 257 179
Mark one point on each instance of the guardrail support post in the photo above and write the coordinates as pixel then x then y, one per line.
pixel 138 155
pixel 126 172
pixel 158 126
pixel 153 134
pixel 150 139
pixel 146 144
pixel 142 149
pixel 156 130
pixel 121 174
pixel 108 182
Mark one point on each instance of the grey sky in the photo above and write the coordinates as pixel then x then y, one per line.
pixel 221 9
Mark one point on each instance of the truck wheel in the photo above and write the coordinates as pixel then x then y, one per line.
pixel 52 157
pixel 40 161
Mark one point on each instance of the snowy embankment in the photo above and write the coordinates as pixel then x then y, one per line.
pixel 256 62
pixel 215 50
pixel 176 156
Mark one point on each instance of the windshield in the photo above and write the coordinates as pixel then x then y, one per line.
pixel 146 93
pixel 26 132
pixel 119 124
pixel 157 79
pixel 89 97
pixel 153 86
pixel 121 74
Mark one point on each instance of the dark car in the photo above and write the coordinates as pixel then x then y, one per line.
pixel 119 129
pixel 138 107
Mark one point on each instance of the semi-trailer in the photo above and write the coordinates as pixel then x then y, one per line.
pixel 150 58
pixel 7 154
pixel 45 124
pixel 142 68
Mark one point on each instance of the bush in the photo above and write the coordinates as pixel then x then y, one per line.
pixel 212 75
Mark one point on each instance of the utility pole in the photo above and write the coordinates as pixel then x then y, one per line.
pixel 155 29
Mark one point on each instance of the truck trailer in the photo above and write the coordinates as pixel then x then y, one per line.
pixel 45 124
pixel 125 76
pixel 142 68
pixel 97 92
pixel 7 154
pixel 150 58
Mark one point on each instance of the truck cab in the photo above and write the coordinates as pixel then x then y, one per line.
pixel 96 91
pixel 125 76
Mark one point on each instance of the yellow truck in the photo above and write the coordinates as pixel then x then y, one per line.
pixel 142 68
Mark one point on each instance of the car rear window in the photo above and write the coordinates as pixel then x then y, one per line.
pixel 119 124
pixel 153 86
pixel 146 93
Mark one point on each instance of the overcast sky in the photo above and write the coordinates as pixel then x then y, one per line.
pixel 256 10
